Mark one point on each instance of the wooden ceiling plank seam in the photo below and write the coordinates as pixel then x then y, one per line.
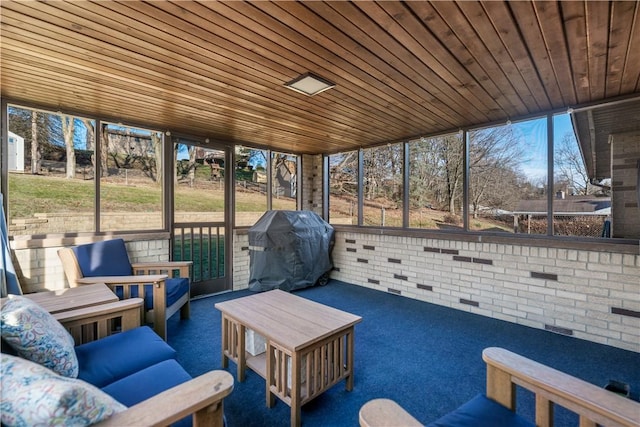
pixel 531 34
pixel 575 23
pixel 464 30
pixel 378 40
pixel 553 33
pixel 364 46
pixel 477 16
pixel 302 103
pixel 325 34
pixel 441 35
pixel 622 18
pixel 281 93
pixel 139 96
pixel 507 30
pixel 416 35
pixel 598 19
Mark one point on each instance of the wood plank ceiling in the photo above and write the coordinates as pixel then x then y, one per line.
pixel 216 69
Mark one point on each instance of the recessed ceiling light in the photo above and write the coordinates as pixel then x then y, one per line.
pixel 309 84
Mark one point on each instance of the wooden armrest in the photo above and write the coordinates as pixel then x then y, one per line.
pixel 385 413
pixel 203 397
pixel 594 404
pixel 181 267
pixel 160 264
pixel 92 323
pixel 123 280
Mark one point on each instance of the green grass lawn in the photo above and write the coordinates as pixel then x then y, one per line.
pixel 32 194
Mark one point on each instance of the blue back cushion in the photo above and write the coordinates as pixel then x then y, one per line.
pixel 106 258
pixel 147 383
pixel 482 411
pixel 109 359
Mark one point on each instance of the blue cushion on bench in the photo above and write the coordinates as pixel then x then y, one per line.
pixel 109 359
pixel 482 411
pixel 104 258
pixel 149 382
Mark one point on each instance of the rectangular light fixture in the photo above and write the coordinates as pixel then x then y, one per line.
pixel 309 84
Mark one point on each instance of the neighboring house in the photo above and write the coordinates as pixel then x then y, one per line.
pixel 572 205
pixel 15 155
pixel 573 216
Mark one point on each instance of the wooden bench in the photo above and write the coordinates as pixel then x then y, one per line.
pixel 505 370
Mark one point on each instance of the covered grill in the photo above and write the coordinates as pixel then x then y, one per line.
pixel 289 250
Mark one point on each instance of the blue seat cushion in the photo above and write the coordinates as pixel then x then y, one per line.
pixel 149 382
pixel 109 359
pixel 482 411
pixel 175 289
pixel 105 258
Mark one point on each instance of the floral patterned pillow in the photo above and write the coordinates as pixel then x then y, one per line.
pixel 36 335
pixel 33 395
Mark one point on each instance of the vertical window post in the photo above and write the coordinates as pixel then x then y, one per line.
pixel 360 187
pixel 465 179
pixel 550 178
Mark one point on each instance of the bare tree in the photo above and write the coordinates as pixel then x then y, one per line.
pixel 495 155
pixel 36 156
pixel 569 166
pixel 68 128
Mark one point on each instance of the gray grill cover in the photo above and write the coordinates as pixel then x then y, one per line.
pixel 289 250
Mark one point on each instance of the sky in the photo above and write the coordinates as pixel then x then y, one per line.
pixel 534 135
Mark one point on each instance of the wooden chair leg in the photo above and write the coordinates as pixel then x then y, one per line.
pixel 185 310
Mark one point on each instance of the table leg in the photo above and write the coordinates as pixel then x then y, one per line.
pixel 350 359
pixel 295 389
pixel 242 357
pixel 225 341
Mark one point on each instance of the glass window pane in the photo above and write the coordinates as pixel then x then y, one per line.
pixel 343 188
pixel 508 178
pixel 284 181
pixel 579 207
pixel 131 183
pixel 51 187
pixel 251 185
pixel 198 184
pixel 436 182
pixel 383 186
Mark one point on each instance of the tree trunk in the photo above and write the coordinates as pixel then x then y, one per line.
pixel 91 142
pixel 35 147
pixel 104 151
pixel 156 140
pixel 68 132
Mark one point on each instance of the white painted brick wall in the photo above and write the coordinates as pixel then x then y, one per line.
pixel 588 285
pixel 240 260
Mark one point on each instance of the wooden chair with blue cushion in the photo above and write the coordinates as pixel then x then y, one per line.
pixel 126 378
pixel 497 407
pixel 166 285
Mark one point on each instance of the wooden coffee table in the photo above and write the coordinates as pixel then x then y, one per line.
pixel 309 345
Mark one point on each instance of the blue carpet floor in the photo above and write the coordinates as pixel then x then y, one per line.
pixel 426 357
